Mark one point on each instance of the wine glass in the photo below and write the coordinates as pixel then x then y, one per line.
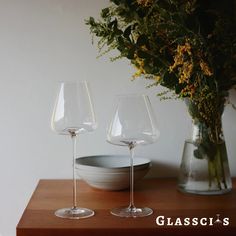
pixel 133 124
pixel 73 114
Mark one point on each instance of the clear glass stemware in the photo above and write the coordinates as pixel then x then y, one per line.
pixel 133 124
pixel 73 114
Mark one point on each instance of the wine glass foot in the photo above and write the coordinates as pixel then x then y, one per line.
pixel 74 213
pixel 132 211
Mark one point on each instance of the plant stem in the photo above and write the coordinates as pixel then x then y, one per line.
pixel 217 173
pixel 209 173
pixel 221 157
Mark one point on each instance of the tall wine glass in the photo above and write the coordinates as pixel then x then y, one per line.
pixel 133 124
pixel 73 114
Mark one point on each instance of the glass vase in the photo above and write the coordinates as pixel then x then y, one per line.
pixel 204 168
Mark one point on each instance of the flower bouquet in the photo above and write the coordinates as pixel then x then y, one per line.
pixel 188 47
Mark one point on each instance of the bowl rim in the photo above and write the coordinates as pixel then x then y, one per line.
pixel 146 164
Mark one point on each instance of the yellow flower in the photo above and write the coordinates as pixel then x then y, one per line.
pixel 137 74
pixel 178 60
pixel 144 48
pixel 186 70
pixel 189 90
pixel 139 61
pixel 186 48
pixel 205 68
pixel 157 78
pixel 139 64
pixel 181 51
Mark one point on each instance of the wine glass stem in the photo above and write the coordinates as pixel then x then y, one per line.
pixel 73 136
pixel 131 148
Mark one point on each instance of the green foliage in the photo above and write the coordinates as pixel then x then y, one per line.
pixel 187 46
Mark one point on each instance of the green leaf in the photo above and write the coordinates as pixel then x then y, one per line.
pixel 105 12
pixel 130 54
pixel 178 89
pixel 112 25
pixel 120 41
pixel 142 40
pixel 90 21
pixel 168 80
pixel 127 32
pixel 142 54
pixel 197 154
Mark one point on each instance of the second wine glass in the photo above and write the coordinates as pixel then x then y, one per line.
pixel 133 124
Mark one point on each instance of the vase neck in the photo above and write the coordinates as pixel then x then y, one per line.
pixel 201 132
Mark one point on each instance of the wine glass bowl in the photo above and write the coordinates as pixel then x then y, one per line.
pixel 133 124
pixel 73 114
pixel 73 111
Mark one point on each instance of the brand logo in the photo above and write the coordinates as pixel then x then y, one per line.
pixel 195 221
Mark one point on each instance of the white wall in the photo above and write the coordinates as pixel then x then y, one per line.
pixel 42 42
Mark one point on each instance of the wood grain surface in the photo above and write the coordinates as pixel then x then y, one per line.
pixel 161 195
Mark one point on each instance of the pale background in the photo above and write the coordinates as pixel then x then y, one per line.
pixel 46 41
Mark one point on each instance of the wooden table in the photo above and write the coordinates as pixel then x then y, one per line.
pixel 160 194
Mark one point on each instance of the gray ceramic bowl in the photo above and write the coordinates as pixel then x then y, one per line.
pixel 110 172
